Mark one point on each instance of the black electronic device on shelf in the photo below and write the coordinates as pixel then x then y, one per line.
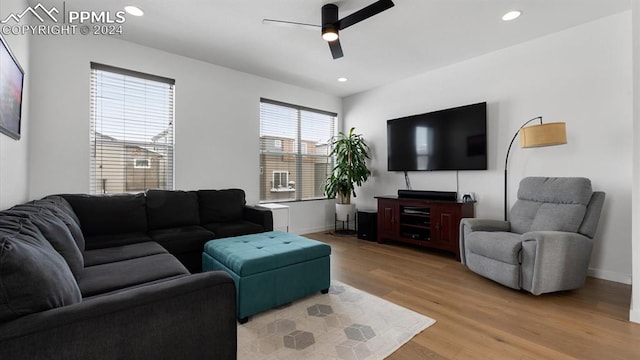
pixel 428 195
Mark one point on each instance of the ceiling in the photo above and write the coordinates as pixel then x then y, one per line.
pixel 413 37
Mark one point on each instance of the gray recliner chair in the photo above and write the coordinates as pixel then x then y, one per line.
pixel 546 245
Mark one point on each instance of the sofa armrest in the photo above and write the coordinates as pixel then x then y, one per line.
pixel 263 217
pixel 554 261
pixel 469 225
pixel 192 317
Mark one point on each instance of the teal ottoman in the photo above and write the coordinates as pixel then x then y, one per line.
pixel 270 269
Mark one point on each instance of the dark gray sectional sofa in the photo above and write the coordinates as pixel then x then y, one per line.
pixel 110 277
pixel 180 221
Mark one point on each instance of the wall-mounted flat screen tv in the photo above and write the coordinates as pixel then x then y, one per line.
pixel 11 81
pixel 450 139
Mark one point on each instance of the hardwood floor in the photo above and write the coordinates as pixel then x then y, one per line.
pixel 479 319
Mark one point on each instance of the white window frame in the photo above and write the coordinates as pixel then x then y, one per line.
pixel 307 184
pixel 112 142
pixel 284 186
pixel 136 164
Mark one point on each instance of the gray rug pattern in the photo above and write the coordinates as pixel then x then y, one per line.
pixel 346 324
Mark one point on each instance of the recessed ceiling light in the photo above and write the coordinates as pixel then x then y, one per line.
pixel 511 15
pixel 342 79
pixel 133 10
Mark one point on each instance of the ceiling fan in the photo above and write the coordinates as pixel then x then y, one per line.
pixel 331 25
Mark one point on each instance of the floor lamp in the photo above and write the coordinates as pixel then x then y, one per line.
pixel 535 136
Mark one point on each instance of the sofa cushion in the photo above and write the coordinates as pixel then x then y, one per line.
pixel 109 214
pixel 58 234
pixel 68 220
pixel 9 222
pixel 169 209
pixel 559 217
pixel 34 277
pixel 54 229
pixel 559 190
pixel 497 245
pixel 182 239
pixel 547 203
pixel 110 240
pixel 61 204
pixel 104 278
pixel 234 228
pixel 119 253
pixel 221 205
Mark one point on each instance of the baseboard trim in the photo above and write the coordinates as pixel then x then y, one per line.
pixel 610 275
pixel 634 316
pixel 311 230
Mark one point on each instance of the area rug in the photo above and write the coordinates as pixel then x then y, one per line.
pixel 346 323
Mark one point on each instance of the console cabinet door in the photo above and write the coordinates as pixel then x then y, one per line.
pixel 387 219
pixel 445 227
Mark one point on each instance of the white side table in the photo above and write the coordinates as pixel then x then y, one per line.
pixel 280 216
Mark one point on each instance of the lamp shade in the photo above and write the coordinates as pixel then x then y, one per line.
pixel 543 135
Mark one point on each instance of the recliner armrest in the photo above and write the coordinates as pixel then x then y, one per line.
pixel 473 224
pixel 554 260
pixel 264 217
pixel 469 225
pixel 185 318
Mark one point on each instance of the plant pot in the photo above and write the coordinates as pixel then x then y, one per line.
pixel 345 212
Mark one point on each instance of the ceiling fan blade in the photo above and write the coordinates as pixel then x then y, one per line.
pixel 365 13
pixel 290 24
pixel 336 49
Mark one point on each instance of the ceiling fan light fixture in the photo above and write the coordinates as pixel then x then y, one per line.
pixel 331 25
pixel 329 22
pixel 329 33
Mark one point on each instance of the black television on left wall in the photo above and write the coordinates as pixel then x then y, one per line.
pixel 449 139
pixel 11 87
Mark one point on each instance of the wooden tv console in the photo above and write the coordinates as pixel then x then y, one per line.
pixel 428 223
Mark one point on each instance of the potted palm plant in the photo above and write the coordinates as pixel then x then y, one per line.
pixel 351 152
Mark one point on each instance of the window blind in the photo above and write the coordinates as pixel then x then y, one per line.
pixel 294 151
pixel 131 131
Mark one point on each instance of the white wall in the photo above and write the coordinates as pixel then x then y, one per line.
pixel 217 118
pixel 581 76
pixel 634 313
pixel 14 173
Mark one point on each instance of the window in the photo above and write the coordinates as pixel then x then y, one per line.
pixel 294 151
pixel 141 164
pixel 281 182
pixel 131 132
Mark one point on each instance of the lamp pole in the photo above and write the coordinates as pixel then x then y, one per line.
pixel 506 161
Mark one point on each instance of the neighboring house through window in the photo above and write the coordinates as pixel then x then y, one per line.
pixel 131 131
pixel 294 151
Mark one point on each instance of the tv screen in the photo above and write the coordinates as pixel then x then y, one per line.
pixel 11 80
pixel 451 139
